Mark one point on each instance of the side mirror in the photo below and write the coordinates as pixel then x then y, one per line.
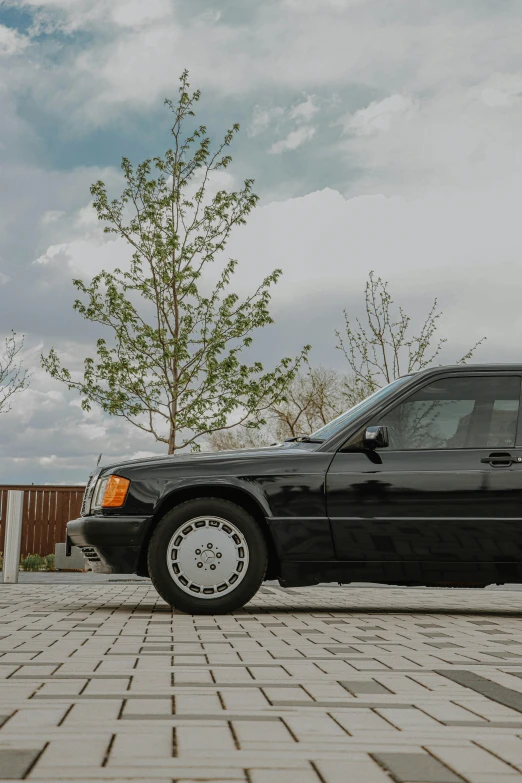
pixel 376 437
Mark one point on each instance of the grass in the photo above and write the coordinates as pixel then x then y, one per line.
pixel 33 562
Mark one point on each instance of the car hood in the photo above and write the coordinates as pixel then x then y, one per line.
pixel 210 456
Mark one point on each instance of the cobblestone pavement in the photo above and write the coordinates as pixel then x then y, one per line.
pixel 103 682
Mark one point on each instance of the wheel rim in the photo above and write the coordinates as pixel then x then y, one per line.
pixel 208 557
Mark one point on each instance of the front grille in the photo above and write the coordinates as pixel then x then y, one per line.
pixel 87 495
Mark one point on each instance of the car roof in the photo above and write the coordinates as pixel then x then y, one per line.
pixel 491 367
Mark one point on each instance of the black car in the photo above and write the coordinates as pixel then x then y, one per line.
pixel 419 484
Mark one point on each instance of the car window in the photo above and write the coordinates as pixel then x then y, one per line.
pixel 337 424
pixel 456 413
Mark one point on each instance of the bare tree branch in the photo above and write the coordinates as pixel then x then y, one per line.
pixel 13 377
pixel 383 347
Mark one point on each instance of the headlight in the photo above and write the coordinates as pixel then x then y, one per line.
pixel 111 492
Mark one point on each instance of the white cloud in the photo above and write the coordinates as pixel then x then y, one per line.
pixel 138 50
pixel 461 246
pixel 304 111
pixel 501 90
pixel 72 6
pixel 86 258
pixel 273 117
pixel 329 241
pixel 11 42
pixel 51 216
pixel 71 15
pixel 92 432
pixel 48 437
pixel 445 241
pixel 451 140
pixel 428 169
pixel 88 249
pixel 294 140
pixel 494 98
pixel 379 116
pixel 321 5
pixel 51 253
pixel 135 13
pixel 263 118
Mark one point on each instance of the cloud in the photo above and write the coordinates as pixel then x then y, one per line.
pixel 325 239
pixel 294 140
pixel 47 437
pixel 263 118
pixel 501 90
pixel 51 216
pixel 136 50
pixel 443 242
pixel 411 116
pixel 304 111
pixel 136 13
pixel 11 42
pixel 82 258
pixel 68 16
pixel 321 5
pixel 379 116
pixel 274 118
pixel 449 140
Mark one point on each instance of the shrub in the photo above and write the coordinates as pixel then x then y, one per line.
pixel 32 562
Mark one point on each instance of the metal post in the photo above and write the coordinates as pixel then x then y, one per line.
pixel 13 535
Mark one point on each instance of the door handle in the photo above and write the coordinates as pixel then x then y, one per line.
pixel 501 460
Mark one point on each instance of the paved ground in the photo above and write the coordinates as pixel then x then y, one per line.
pixel 100 681
pixel 75 577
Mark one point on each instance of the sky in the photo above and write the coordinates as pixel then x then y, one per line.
pixel 382 135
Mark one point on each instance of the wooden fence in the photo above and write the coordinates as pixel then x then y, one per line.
pixel 47 509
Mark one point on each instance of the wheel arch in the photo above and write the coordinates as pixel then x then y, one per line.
pixel 235 494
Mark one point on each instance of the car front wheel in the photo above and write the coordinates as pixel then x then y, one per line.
pixel 207 556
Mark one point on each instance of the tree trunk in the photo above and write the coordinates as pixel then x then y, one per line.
pixel 172 440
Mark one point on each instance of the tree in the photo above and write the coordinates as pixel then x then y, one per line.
pixel 312 399
pixel 175 368
pixel 379 349
pixel 13 378
pixel 384 347
pixel 240 437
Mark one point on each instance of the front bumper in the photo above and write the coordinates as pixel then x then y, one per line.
pixel 111 544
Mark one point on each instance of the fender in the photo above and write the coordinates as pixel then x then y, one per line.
pixel 194 486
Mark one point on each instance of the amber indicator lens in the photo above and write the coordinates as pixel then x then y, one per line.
pixel 115 492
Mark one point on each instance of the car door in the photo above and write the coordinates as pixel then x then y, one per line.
pixel 448 488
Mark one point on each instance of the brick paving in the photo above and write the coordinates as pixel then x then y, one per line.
pixel 333 685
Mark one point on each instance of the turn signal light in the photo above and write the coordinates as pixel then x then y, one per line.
pixel 115 492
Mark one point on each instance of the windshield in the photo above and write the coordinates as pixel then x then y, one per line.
pixel 345 418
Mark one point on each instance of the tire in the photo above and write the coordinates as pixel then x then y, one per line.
pixel 207 556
